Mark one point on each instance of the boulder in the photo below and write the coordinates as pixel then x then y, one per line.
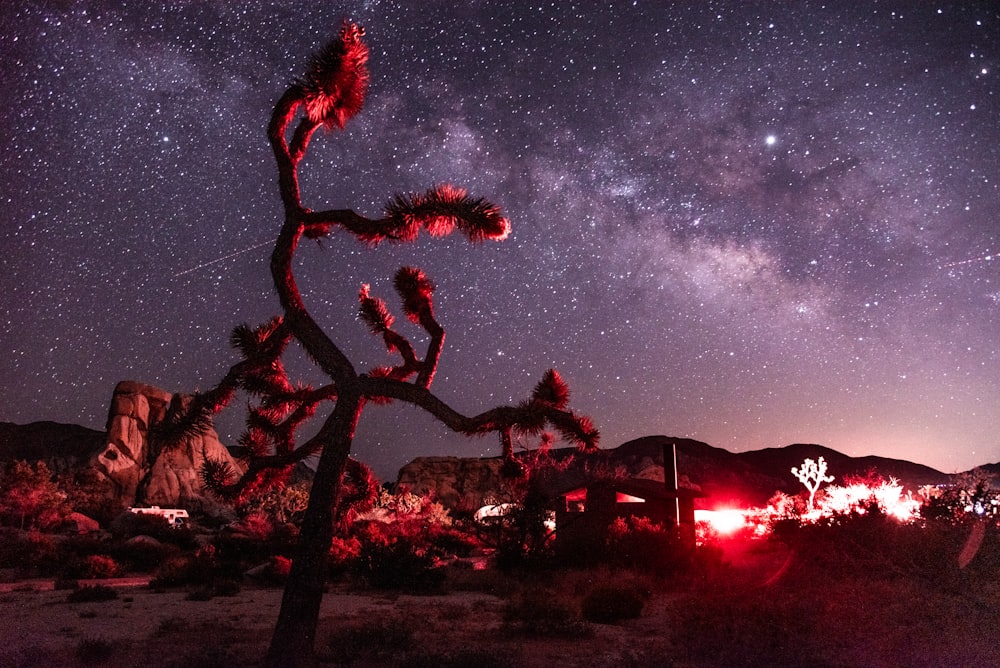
pixel 455 482
pixel 144 472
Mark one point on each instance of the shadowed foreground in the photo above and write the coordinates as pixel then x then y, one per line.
pixel 735 615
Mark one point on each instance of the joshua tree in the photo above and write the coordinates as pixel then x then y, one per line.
pixel 331 92
pixel 812 475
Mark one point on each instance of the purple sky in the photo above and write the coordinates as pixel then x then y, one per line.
pixel 751 224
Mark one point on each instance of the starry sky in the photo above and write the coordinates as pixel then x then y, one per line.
pixel 748 223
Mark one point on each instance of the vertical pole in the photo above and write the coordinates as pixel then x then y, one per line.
pixel 677 498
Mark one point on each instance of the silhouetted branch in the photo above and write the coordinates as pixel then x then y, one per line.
pixel 575 428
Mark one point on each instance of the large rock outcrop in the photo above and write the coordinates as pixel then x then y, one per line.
pixel 456 482
pixel 144 472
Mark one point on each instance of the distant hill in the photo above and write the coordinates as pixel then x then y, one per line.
pixel 61 446
pixel 752 477
pixel 725 478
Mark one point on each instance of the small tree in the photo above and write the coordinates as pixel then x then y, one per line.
pixel 30 498
pixel 812 475
pixel 331 92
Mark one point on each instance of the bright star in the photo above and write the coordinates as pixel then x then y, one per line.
pixel 771 139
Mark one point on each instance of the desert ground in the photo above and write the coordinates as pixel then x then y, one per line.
pixel 146 628
pixel 748 613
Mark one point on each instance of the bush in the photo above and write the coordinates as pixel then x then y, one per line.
pixel 30 552
pixel 344 553
pixel 637 542
pixel 101 566
pixel 462 657
pixel 224 587
pixel 610 603
pixel 200 568
pixel 94 651
pixel 379 639
pixel 541 613
pixel 399 565
pixel 143 554
pixel 767 626
pixel 92 594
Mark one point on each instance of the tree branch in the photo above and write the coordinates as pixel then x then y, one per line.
pixel 499 419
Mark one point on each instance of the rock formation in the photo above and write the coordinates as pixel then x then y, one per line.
pixel 143 471
pixel 455 482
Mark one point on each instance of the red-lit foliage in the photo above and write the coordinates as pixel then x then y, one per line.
pixel 331 92
pixel 29 497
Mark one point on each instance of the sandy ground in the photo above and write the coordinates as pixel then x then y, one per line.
pixel 745 619
pixel 145 628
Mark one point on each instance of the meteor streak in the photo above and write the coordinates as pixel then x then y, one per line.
pixel 223 258
pixel 983 258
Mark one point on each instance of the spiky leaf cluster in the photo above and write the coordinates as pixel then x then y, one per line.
pixel 216 476
pixel 577 429
pixel 374 312
pixel 416 289
pixel 442 209
pixel 551 390
pixel 336 79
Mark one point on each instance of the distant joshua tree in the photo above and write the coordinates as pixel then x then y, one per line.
pixel 331 92
pixel 812 475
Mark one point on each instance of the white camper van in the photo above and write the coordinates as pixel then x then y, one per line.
pixel 175 516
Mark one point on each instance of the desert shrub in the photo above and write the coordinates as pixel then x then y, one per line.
pixel 30 552
pixel 639 543
pixel 451 540
pixel 453 611
pixel 94 651
pixel 209 657
pixel 725 629
pixel 871 545
pixel 398 564
pixel 970 497
pixel 208 591
pixel 101 566
pixel 610 603
pixel 489 580
pixel 344 552
pixel 462 657
pixel 254 540
pixel 542 613
pixel 65 583
pixel 370 640
pixel 201 567
pixel 92 594
pixel 278 504
pixel 273 572
pixel 142 554
pixel 200 594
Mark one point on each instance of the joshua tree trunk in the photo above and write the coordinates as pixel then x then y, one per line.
pixel 294 637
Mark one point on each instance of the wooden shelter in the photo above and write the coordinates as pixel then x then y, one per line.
pixel 585 512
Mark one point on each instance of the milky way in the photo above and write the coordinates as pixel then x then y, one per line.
pixel 751 224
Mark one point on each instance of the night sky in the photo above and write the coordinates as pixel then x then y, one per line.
pixel 752 224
